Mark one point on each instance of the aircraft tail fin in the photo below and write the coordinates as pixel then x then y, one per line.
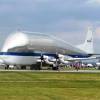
pixel 87 46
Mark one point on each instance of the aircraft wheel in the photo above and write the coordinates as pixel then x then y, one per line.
pixel 55 67
pixel 35 67
pixel 23 67
pixel 7 67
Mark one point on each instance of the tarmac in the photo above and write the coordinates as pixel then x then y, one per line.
pixel 66 71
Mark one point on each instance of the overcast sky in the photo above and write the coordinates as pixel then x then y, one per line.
pixel 67 19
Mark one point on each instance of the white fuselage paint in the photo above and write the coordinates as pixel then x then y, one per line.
pixel 21 42
pixel 19 60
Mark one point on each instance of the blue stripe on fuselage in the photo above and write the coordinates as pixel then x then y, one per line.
pixel 80 56
pixel 26 54
pixel 39 54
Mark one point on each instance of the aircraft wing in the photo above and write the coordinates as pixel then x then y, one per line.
pixel 78 59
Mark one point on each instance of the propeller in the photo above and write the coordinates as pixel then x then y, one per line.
pixel 42 58
pixel 57 61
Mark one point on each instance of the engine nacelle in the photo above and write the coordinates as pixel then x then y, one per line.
pixel 62 59
pixel 46 59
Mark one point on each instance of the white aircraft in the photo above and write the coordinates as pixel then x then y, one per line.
pixel 24 49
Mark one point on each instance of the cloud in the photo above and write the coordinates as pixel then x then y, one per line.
pixel 46 15
pixel 97 32
pixel 93 2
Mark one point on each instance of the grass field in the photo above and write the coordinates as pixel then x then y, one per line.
pixel 49 86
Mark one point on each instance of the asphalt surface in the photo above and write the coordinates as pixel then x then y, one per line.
pixel 67 71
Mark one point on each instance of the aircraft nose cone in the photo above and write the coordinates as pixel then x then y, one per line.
pixel 14 40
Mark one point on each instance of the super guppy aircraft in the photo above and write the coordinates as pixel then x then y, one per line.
pixel 26 48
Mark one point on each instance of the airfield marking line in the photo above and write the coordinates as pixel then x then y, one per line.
pixel 21 81
pixel 67 71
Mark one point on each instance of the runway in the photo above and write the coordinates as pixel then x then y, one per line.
pixel 59 71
